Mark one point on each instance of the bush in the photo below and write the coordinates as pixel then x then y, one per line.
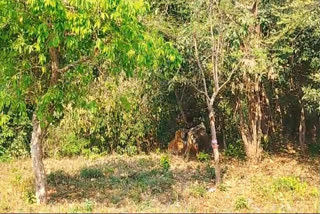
pixel 24 186
pixel 289 184
pixel 120 116
pixel 73 146
pixel 235 150
pixel 198 191
pixel 241 203
pixel 203 157
pixel 164 162
pixel 4 155
pixel 314 149
pixel 15 133
pixel 88 205
pixel 210 171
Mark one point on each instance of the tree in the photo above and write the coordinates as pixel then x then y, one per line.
pixel 51 47
pixel 295 44
pixel 215 39
pixel 215 58
pixel 250 97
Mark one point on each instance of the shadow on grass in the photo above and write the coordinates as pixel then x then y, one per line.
pixel 118 181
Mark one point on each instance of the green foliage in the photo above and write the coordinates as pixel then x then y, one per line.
pixel 90 38
pixel 285 184
pixel 123 115
pixel 4 157
pixel 94 107
pixel 222 187
pixel 210 171
pixel 30 196
pixel 143 162
pixel 312 92
pixel 203 157
pixel 198 191
pixel 57 178
pixel 288 187
pixel 73 146
pixel 88 205
pixel 24 185
pixel 15 133
pixel 241 203
pixel 156 180
pixel 88 173
pixel 165 163
pixel 235 149
pixel 314 149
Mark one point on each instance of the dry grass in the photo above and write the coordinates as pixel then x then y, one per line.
pixel 140 184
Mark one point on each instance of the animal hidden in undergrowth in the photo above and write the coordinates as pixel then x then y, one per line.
pixel 178 145
pixel 190 142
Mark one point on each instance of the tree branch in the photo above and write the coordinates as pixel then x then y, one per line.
pixel 201 92
pixel 225 83
pixel 200 67
pixel 80 61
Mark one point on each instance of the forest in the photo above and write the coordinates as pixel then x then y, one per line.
pixel 160 106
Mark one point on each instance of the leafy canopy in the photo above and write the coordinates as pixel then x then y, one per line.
pixel 88 35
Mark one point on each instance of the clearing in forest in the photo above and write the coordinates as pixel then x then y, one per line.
pixel 154 183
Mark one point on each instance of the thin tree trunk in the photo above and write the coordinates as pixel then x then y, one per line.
pixel 224 140
pixel 183 114
pixel 314 133
pixel 215 145
pixel 302 131
pixel 37 163
pixel 258 117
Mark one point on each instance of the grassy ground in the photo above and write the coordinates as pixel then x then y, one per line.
pixel 142 184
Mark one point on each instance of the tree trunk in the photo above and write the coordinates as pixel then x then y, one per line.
pixel 54 56
pixel 250 127
pixel 314 133
pixel 302 132
pixel 38 134
pixel 37 163
pixel 215 145
pixel 224 140
pixel 183 114
pixel 250 124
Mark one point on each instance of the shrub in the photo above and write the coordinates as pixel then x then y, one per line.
pixel 24 185
pixel 289 184
pixel 88 205
pixel 4 155
pixel 203 157
pixel 241 203
pixel 164 162
pixel 15 133
pixel 210 171
pixel 222 187
pixel 198 191
pixel 235 150
pixel 314 148
pixel 121 115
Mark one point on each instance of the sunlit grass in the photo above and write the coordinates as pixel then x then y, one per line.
pixel 161 183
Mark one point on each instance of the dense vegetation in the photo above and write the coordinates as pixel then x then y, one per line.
pixel 98 77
